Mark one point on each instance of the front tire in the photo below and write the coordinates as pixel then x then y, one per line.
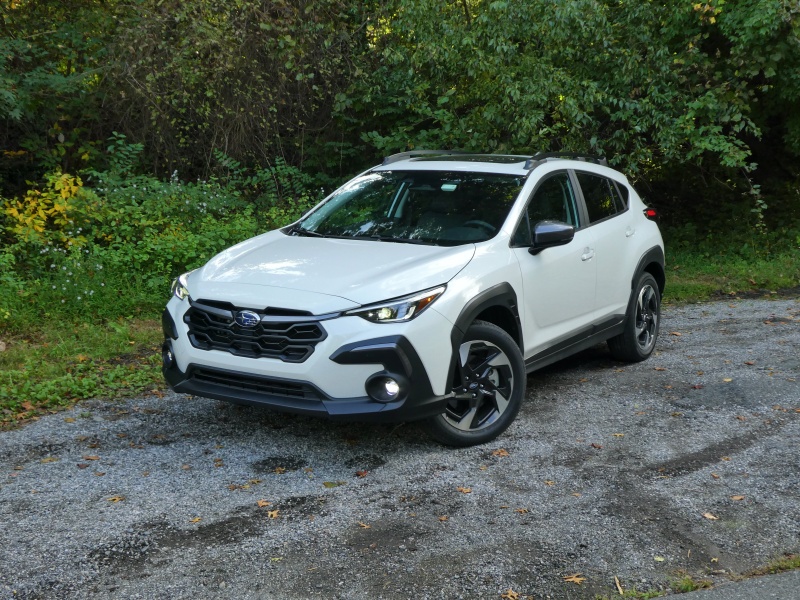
pixel 488 387
pixel 638 341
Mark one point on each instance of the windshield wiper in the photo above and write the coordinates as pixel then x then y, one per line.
pixel 387 238
pixel 300 230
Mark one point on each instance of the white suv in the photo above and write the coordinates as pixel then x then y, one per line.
pixel 425 288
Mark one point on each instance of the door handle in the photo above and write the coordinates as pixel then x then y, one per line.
pixel 629 231
pixel 588 254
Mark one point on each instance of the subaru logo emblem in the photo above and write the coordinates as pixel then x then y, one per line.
pixel 247 318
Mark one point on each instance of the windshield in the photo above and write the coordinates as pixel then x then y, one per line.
pixel 429 207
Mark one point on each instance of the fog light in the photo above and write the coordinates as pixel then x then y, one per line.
pixel 167 357
pixel 387 387
pixel 392 387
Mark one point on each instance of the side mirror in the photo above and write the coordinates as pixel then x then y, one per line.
pixel 548 234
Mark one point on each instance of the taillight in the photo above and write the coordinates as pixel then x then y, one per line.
pixel 650 213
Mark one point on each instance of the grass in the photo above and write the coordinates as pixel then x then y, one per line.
pixel 788 562
pixel 51 369
pixel 693 277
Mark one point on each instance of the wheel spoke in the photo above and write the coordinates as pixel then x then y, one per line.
pixel 465 421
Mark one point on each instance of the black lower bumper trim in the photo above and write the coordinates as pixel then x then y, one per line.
pixel 302 397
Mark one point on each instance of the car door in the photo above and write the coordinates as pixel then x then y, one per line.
pixel 613 229
pixel 558 283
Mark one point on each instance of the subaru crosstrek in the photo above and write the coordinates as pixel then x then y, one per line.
pixel 424 289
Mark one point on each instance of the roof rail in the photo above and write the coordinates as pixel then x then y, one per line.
pixel 414 153
pixel 543 156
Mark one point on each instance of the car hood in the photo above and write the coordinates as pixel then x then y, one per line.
pixel 324 274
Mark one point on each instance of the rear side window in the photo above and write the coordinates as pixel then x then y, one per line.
pixel 601 196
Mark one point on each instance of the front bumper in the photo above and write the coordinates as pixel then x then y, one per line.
pixel 224 379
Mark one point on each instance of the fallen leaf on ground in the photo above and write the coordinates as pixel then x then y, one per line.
pixel 737 498
pixel 509 594
pixel 364 525
pixel 195 520
pixel 727 380
pixel 263 503
pixel 676 333
pixel 618 434
pixel 362 473
pixel 280 470
pixel 597 446
pixel 69 420
pixel 522 511
pixel 273 514
pixel 464 490
pixel 749 362
pixel 27 405
pixel 741 418
pixel 49 459
pixel 698 386
pixel 91 457
pixel 549 482
pixel 659 369
pixel 715 476
pixel 443 518
pixel 500 452
pixel 332 484
pixel 725 458
pixel 576 494
pixel 576 578
pixel 659 558
pixel 710 517
pixel 83 465
pixel 116 498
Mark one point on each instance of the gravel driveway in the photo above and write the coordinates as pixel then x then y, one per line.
pixel 686 463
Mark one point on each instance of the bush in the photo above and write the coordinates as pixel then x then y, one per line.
pixel 107 243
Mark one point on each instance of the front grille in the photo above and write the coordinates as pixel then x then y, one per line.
pixel 258 385
pixel 284 334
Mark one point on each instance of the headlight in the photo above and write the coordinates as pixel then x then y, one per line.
pixel 399 309
pixel 179 286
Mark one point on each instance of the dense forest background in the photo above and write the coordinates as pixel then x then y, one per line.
pixel 146 135
pixel 692 99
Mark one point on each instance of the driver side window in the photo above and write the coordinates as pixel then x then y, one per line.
pixel 553 200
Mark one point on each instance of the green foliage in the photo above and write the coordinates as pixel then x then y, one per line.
pixel 639 82
pixel 52 56
pixel 108 244
pixel 252 79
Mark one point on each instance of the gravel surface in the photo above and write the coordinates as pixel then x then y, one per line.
pixel 686 463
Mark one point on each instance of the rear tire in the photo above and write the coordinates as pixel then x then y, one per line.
pixel 638 341
pixel 489 384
